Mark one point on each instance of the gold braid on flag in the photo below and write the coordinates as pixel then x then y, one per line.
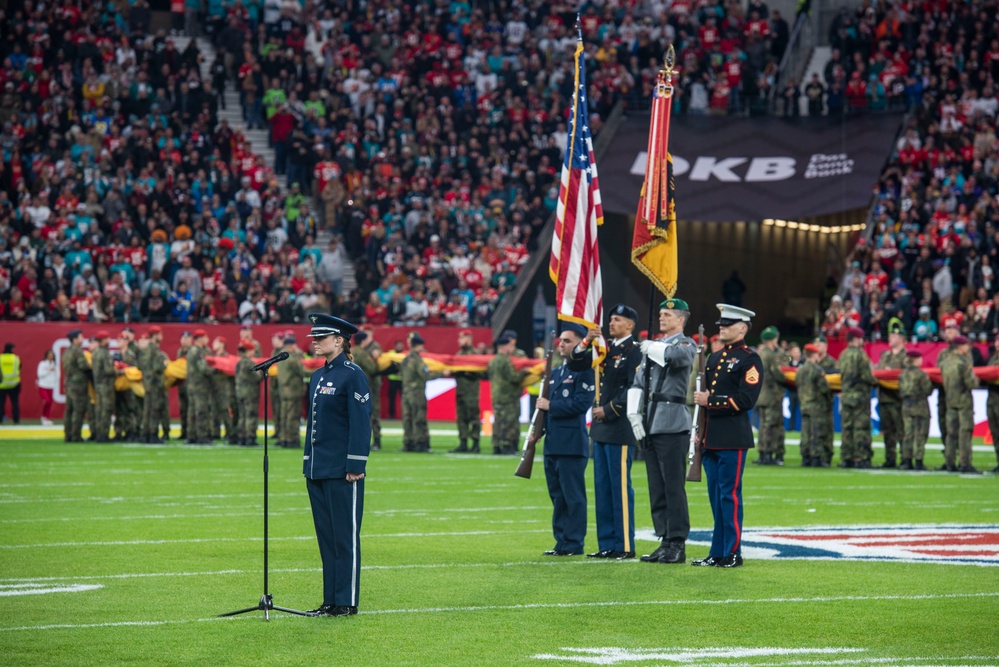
pixel 654 246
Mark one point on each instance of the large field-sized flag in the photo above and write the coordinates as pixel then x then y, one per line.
pixel 575 259
pixel 654 246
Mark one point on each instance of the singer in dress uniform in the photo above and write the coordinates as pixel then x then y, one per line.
pixel 567 444
pixel 337 443
pixel 734 376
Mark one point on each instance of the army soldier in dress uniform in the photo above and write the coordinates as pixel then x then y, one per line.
pixel 128 406
pixel 277 346
pixel 155 408
pixel 914 388
pixel 668 362
pixel 415 375
pixel 567 444
pixel 291 376
pixel 467 399
pixel 733 375
pixel 366 355
pixel 958 381
pixel 889 402
pixel 855 401
pixel 199 389
pixel 505 390
pixel 770 405
pixel 337 441
pixel 76 370
pixel 104 374
pixel 816 398
pixel 223 391
pixel 186 342
pixel 247 394
pixel 992 405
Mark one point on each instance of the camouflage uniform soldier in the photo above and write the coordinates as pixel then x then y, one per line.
pixel 958 381
pixel 245 334
pixel 291 373
pixel 128 410
pixel 414 372
pixel 223 392
pixel 889 402
pixel 505 389
pixel 104 375
pixel 467 399
pixel 366 357
pixel 949 332
pixel 277 345
pixel 992 406
pixel 152 363
pixel 816 399
pixel 770 404
pixel 825 427
pixel 855 401
pixel 914 387
pixel 248 395
pixel 76 370
pixel 199 388
pixel 186 342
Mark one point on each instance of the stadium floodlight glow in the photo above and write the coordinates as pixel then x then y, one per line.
pixel 780 223
pixel 792 224
pixel 768 221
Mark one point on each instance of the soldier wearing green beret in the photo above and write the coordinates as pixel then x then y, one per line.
pixel 770 404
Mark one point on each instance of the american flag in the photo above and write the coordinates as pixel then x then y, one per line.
pixel 575 260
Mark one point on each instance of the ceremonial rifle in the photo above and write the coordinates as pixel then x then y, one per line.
pixel 537 429
pixel 700 415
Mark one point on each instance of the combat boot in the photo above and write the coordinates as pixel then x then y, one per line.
pixel 497 450
pixel 511 450
pixel 475 447
pixel 906 465
pixel 461 448
pixel 676 553
pixel 376 445
pixel 919 465
pixel 889 463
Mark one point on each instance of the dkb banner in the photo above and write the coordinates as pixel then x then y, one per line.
pixel 731 169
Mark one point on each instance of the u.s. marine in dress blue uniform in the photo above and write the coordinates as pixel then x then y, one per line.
pixel 734 377
pixel 337 443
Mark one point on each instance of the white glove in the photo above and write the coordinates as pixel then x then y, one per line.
pixel 654 350
pixel 636 426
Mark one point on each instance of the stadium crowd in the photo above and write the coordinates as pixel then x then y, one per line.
pixel 426 138
pixel 931 256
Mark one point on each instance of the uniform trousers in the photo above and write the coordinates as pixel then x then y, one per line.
pixel 337 507
pixel 723 469
pixel 615 498
pixel 566 477
pixel 890 413
pixel 666 468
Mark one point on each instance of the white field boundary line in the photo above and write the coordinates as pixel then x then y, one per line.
pixel 547 605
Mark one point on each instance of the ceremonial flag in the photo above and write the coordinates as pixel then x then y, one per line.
pixel 575 259
pixel 653 248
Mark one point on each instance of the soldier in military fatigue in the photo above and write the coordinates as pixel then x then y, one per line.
pixel 816 398
pixel 889 402
pixel 291 378
pixel 128 406
pixel 366 358
pixel 855 401
pixel 104 374
pixel 958 381
pixel 505 390
pixel 733 376
pixel 415 375
pixel 992 405
pixel 248 395
pixel 825 431
pixel 199 389
pixel 770 405
pixel 76 370
pixel 245 334
pixel 186 342
pixel 567 444
pixel 914 388
pixel 152 363
pixel 664 367
pixel 223 392
pixel 467 399
pixel 277 346
pixel 950 331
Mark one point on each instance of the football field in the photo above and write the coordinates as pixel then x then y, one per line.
pixel 126 554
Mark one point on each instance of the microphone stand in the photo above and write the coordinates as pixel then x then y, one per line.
pixel 266 603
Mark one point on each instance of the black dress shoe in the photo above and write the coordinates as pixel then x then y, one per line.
pixel 655 555
pixel 623 555
pixel 710 561
pixel 606 553
pixel 562 552
pixel 322 610
pixel 735 560
pixel 342 611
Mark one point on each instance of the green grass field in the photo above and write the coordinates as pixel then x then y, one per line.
pixel 125 554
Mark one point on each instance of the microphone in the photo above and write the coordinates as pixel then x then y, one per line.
pixel 264 365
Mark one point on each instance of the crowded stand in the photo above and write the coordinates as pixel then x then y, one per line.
pixel 931 256
pixel 423 140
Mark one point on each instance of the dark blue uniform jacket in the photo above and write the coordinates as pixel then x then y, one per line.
pixel 734 377
pixel 571 395
pixel 338 438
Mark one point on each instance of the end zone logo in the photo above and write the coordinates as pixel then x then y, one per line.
pixel 957 545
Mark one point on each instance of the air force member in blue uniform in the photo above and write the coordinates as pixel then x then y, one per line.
pixel 337 443
pixel 567 444
pixel 734 376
